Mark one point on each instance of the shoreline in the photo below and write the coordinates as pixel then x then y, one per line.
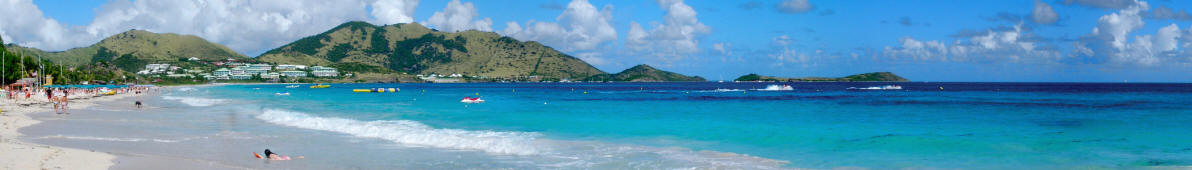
pixel 16 153
pixel 19 154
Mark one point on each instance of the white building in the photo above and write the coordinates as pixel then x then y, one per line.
pixel 155 69
pixel 270 76
pixel 291 67
pixel 293 73
pixel 222 72
pixel 320 71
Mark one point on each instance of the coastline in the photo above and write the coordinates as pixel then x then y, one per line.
pixel 18 154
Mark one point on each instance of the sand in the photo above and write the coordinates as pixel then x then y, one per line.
pixel 17 154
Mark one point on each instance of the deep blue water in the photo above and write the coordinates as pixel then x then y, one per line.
pixel 815 125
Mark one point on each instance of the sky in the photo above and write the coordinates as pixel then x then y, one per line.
pixel 923 40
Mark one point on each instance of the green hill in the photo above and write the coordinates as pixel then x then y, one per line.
pixel 875 76
pixel 644 73
pixel 415 49
pixel 133 49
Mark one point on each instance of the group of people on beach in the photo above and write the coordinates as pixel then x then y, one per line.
pixel 59 99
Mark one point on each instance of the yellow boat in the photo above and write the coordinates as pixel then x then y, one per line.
pixel 362 90
pixel 320 86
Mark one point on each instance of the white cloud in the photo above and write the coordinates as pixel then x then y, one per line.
pixel 458 17
pixel 581 27
pixel 24 24
pixel 246 26
pixel 1116 26
pixel 918 50
pixel 795 6
pixel 1043 13
pixel 674 39
pixel 1148 49
pixel 1009 45
pixel 394 11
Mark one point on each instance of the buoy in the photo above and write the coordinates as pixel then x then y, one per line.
pixel 477 93
pixel 585 92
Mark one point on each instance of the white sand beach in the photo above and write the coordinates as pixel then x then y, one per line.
pixel 17 154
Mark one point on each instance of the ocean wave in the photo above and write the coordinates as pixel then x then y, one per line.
pixel 775 87
pixel 195 101
pixel 720 90
pixel 114 139
pixel 412 133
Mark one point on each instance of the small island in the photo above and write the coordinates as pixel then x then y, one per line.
pixel 866 77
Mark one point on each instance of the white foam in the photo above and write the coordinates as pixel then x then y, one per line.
pixel 412 133
pixel 721 90
pixel 114 139
pixel 195 101
pixel 775 87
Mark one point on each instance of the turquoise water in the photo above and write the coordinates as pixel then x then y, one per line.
pixel 741 125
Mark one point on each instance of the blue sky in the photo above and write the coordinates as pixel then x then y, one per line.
pixel 921 40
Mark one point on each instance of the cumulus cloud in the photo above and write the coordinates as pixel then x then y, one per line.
pixel 794 6
pixel 25 24
pixel 1043 13
pixel 246 26
pixel 458 17
pixel 394 11
pixel 674 39
pixel 1109 41
pixel 581 26
pixel 1108 4
pixel 1148 49
pixel 1015 45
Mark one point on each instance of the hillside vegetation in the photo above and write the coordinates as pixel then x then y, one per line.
pixel 875 76
pixel 133 49
pixel 644 73
pixel 414 49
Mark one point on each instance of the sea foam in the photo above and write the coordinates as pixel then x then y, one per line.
pixel 411 133
pixel 195 101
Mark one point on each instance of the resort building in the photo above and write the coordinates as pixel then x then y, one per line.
pixel 320 71
pixel 291 67
pixel 293 73
pixel 240 77
pixel 270 76
pixel 222 72
pixel 155 69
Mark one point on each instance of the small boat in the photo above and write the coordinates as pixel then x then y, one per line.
pixel 292 86
pixel 320 86
pixel 282 94
pixel 472 100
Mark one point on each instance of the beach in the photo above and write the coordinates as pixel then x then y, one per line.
pixel 19 154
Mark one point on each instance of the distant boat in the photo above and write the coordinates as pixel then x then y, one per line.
pixel 471 100
pixel 886 87
pixel 293 86
pixel 320 86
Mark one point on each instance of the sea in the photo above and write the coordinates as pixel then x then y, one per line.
pixel 698 125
